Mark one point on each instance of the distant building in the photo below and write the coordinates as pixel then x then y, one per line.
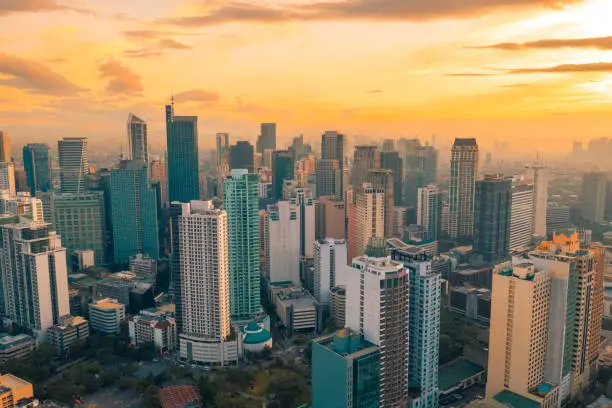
pixel 15 347
pixel 492 218
pixel 330 218
pixel 282 169
pixel 464 172
pixel 329 178
pixel 593 196
pixel 429 211
pixel 137 138
pixel 333 147
pixel 74 164
pixel 365 158
pixel 557 217
pixel 7 178
pixel 5 147
pixel 16 393
pixel 106 315
pixel 267 138
pixel 154 327
pixel 241 157
pixel 182 153
pixel 143 265
pixel 69 331
pixel 521 216
pixel 380 178
pixel 284 242
pixel 22 204
pixel 82 259
pixel 345 371
pixel 329 258
pixel 369 219
pixel 37 165
pixel 392 161
pixel 540 198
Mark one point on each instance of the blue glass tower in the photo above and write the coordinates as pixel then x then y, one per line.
pixel 182 144
pixel 134 212
pixel 37 167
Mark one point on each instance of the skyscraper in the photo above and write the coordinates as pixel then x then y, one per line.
pixel 333 146
pixel 74 164
pixel 420 168
pixel 176 212
pixel 137 138
pixel 306 219
pixel 7 178
pixel 5 147
pixel 365 158
pixel 377 305
pixel 205 285
pixel 329 178
pixel 34 289
pixel 593 196
pixel 241 156
pixel 157 172
pixel 267 137
pixel 329 259
pixel 369 219
pixel 37 165
pixel 521 215
pixel 463 174
pixel 429 211
pixel 492 218
pixel 183 164
pixel 282 169
pixel 241 202
pixel 330 218
pixel 134 212
pixel 223 148
pixel 540 197
pixel 382 178
pixel 392 161
pixel 284 242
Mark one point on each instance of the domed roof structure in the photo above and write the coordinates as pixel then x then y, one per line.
pixel 254 334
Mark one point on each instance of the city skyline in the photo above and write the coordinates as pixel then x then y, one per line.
pixel 542 73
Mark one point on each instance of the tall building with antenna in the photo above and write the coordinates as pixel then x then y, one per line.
pixel 137 138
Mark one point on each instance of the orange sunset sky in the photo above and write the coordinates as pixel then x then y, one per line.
pixel 535 73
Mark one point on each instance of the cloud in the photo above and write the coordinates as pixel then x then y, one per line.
pixel 469 74
pixel 121 78
pixel 197 95
pixel 153 43
pixel 32 76
pixel 600 43
pixel 565 68
pixel 372 10
pixel 14 6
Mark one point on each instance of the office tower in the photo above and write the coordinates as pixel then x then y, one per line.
pixel 345 371
pixel 80 221
pixel 521 216
pixel 157 172
pixel 306 220
pixel 329 258
pixel 424 329
pixel 241 202
pixel 557 217
pixel 365 158
pixel 377 293
pixel 420 168
pixel 5 147
pixel 540 197
pixel 388 145
pixel 429 212
pixel 329 178
pixel 34 289
pixel 137 138
pixel 369 218
pixel 519 329
pixel 204 283
pixel 282 169
pixel 593 197
pixel 283 242
pixel 183 164
pixel 267 138
pixel 134 212
pixel 333 146
pixel 223 148
pixel 299 149
pixel 241 156
pixel 21 204
pixel 330 218
pixel 37 165
pixel 74 164
pixel 392 161
pixel 176 211
pixel 463 174
pixel 492 218
pixel 399 221
pixel 7 178
pixel 264 244
pixel 380 178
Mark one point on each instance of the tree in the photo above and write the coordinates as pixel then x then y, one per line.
pixel 290 389
pixel 150 397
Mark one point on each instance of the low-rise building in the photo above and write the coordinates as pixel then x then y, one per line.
pixel 82 259
pixel 15 347
pixel 106 315
pixel 471 302
pixel 458 375
pixel 180 396
pixel 154 326
pixel 255 338
pixel 68 331
pixel 298 310
pixel 143 265
pixel 15 392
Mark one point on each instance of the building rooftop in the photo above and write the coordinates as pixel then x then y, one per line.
pixel 7 340
pixel 465 142
pixel 178 396
pixel 453 373
pixel 107 304
pixel 12 382
pixel 514 400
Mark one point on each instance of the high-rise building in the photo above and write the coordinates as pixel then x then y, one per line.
pixel 329 178
pixel 329 259
pixel 37 165
pixel 34 289
pixel 134 212
pixel 241 202
pixel 492 218
pixel 388 145
pixel 7 178
pixel 369 219
pixel 424 330
pixel 429 212
pixel 392 161
pixel 5 147
pixel 205 285
pixel 330 218
pixel 282 169
pixel 306 219
pixel 21 204
pixel 157 172
pixel 345 371
pixel 365 158
pixel 540 197
pixel 183 164
pixel 176 211
pixel 333 146
pixel 74 164
pixel 521 215
pixel 420 168
pixel 382 178
pixel 267 137
pixel 80 221
pixel 593 196
pixel 223 149
pixel 241 156
pixel 283 242
pixel 557 217
pixel 137 138
pixel 463 174
pixel 377 305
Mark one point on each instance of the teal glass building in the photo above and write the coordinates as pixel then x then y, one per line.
pixel 182 145
pixel 345 371
pixel 241 202
pixel 282 169
pixel 37 165
pixel 134 212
